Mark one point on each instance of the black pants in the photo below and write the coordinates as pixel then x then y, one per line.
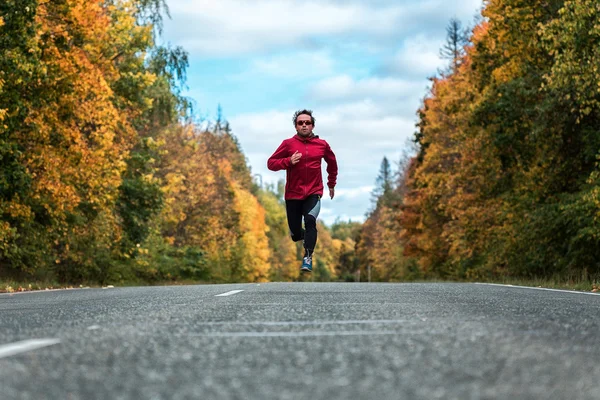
pixel 309 210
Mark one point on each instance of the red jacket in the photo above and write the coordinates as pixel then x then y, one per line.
pixel 304 178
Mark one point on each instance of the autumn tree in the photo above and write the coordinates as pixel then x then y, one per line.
pixel 79 96
pixel 504 178
pixel 379 248
pixel 104 178
pixel 284 259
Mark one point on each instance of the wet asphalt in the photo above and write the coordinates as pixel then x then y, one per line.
pixel 302 341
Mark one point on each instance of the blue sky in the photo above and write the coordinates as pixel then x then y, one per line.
pixel 360 65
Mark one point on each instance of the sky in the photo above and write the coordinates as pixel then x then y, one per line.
pixel 361 66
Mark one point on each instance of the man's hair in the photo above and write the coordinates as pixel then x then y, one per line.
pixel 305 112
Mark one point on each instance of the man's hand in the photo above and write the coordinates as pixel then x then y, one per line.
pixel 295 158
pixel 331 193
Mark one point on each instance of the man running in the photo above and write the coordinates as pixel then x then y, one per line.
pixel 301 157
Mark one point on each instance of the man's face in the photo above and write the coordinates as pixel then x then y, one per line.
pixel 304 125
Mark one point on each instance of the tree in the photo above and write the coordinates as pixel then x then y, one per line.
pixel 284 261
pixel 384 183
pixel 505 181
pixel 456 40
pixel 251 261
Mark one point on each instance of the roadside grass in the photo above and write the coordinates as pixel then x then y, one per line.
pixel 13 286
pixel 10 286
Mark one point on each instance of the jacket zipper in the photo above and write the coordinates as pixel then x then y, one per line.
pixel 306 168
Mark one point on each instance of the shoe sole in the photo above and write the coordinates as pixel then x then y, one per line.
pixel 304 269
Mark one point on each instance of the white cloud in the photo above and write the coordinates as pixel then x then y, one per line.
pixel 330 213
pixel 354 192
pixel 300 64
pixel 418 58
pixel 359 139
pixel 359 134
pixel 234 26
pixel 231 27
pixel 361 65
pixel 347 88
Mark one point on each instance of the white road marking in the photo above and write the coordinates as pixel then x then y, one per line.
pixel 11 349
pixel 93 327
pixel 228 293
pixel 287 323
pixel 538 288
pixel 296 334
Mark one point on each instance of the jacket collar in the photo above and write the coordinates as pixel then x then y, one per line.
pixel 300 138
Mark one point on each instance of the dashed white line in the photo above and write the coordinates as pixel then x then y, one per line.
pixel 296 334
pixel 228 293
pixel 302 323
pixel 11 349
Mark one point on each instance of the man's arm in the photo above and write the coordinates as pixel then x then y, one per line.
pixel 332 170
pixel 280 159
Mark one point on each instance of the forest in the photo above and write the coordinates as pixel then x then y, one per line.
pixel 107 176
pixel 505 179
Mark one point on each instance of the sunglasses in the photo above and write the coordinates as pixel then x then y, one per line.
pixel 307 123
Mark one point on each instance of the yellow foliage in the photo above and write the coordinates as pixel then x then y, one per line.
pixel 254 235
pixel 17 210
pixel 77 144
pixel 198 208
pixel 284 261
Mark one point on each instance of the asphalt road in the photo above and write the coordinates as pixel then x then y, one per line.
pixel 301 341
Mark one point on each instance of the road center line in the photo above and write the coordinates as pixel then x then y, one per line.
pixel 302 323
pixel 11 349
pixel 296 334
pixel 229 293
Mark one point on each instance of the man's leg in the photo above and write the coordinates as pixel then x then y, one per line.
pixel 310 211
pixel 293 210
